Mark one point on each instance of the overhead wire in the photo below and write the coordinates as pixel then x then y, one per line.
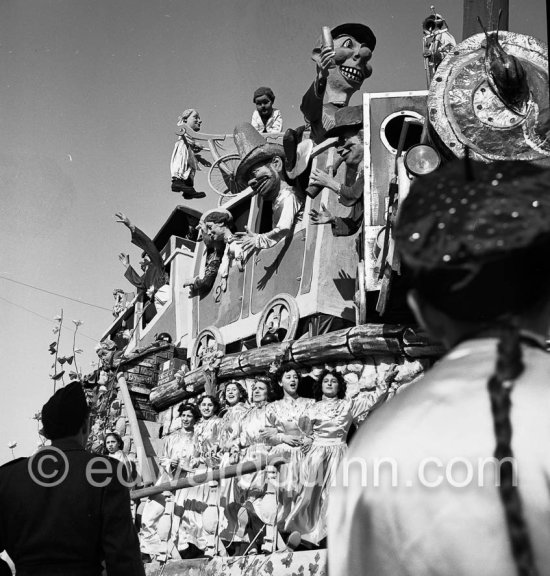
pixel 45 318
pixel 54 293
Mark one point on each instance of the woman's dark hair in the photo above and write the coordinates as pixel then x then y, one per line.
pixel 276 379
pixel 242 391
pixel 215 401
pixel 318 385
pixel 187 407
pixel 117 437
pixel 270 388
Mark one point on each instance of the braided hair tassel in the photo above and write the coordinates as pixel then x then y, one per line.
pixel 509 366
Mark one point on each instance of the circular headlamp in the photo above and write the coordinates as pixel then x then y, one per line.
pixel 421 159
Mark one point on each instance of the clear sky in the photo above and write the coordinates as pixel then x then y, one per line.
pixel 90 92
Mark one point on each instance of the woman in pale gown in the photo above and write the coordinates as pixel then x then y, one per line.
pixel 193 501
pixel 285 432
pixel 329 421
pixel 235 396
pixel 254 443
pixel 175 462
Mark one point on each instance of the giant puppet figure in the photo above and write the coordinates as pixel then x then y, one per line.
pixel 342 58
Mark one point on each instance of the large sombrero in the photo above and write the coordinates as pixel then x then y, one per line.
pixel 253 148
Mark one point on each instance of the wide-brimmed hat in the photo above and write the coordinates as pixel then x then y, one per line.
pixel 252 148
pixel 347 117
pixel 360 32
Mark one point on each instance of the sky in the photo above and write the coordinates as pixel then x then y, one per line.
pixel 90 93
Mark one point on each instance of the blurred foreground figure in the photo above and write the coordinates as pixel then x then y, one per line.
pixel 464 486
pixel 64 510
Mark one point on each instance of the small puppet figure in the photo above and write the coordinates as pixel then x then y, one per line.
pixel 201 285
pixel 266 118
pixel 153 282
pixel 186 156
pixel 122 301
pixel 342 58
pixel 220 228
pixel 262 168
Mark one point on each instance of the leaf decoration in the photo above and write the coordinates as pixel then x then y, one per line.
pixel 69 359
pixel 58 376
pixel 53 347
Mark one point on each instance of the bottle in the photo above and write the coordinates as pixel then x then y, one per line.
pixel 327 37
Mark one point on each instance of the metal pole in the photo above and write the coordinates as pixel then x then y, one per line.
pixel 488 11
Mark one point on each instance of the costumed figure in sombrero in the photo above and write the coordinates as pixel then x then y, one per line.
pixel 342 65
pixel 469 441
pixel 262 168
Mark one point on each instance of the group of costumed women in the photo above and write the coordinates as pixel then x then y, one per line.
pixel 309 433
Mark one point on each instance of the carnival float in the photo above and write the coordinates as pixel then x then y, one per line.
pixel 314 298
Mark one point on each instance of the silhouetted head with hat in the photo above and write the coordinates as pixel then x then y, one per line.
pixel 474 239
pixel 66 414
pixel 262 162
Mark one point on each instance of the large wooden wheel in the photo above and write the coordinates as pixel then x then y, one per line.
pixel 221 176
pixel 208 342
pixel 278 321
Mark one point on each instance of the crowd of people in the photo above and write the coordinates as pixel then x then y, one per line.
pixel 473 241
pixel 309 432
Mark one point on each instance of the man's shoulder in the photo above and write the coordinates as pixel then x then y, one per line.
pixel 11 465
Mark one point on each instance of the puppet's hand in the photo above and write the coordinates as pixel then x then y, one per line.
pixel 120 217
pixel 125 259
pixel 320 178
pixel 188 282
pixel 248 241
pixel 321 217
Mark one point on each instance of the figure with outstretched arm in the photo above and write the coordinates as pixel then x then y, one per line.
pixel 262 168
pixel 153 281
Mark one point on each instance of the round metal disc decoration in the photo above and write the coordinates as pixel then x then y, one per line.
pixel 465 111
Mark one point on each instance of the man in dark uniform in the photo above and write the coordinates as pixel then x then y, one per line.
pixel 64 510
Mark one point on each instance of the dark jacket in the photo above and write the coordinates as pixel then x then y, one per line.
pixel 154 275
pixel 71 527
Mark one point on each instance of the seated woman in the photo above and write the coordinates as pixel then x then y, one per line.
pixel 329 421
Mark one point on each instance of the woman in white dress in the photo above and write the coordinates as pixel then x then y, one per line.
pixel 286 420
pixel 235 398
pixel 329 421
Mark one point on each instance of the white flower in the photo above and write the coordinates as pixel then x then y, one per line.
pixel 78 323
